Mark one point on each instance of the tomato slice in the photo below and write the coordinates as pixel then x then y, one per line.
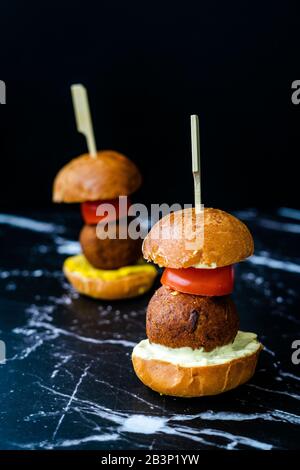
pixel 210 282
pixel 89 209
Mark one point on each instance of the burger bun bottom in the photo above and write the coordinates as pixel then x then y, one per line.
pixel 176 373
pixel 113 284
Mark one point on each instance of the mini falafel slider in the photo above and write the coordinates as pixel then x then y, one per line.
pixel 110 267
pixel 194 346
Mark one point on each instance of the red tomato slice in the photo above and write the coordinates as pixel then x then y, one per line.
pixel 210 282
pixel 89 209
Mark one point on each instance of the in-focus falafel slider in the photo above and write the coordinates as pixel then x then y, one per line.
pixel 109 268
pixel 194 345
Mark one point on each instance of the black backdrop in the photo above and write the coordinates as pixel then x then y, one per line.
pixel 147 67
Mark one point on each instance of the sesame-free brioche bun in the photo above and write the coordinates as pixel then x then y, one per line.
pixel 226 240
pixel 122 283
pixel 167 375
pixel 107 176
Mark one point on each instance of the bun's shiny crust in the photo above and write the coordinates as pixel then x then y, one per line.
pixel 108 176
pixel 125 287
pixel 170 379
pixel 227 240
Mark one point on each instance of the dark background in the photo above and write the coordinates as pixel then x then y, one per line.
pixel 147 67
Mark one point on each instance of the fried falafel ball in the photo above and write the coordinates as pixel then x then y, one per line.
pixel 109 253
pixel 180 320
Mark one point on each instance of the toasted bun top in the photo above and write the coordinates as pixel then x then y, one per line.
pixel 107 176
pixel 175 240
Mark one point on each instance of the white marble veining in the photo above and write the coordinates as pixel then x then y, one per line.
pixel 67 247
pixel 271 224
pixel 73 387
pixel 262 260
pixel 72 397
pixel 289 213
pixel 27 223
pixel 173 425
pixel 128 423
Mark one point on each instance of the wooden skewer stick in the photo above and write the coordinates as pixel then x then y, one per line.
pixel 83 117
pixel 195 136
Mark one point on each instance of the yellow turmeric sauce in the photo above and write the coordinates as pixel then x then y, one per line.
pixel 79 264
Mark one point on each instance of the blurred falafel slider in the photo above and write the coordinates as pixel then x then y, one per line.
pixel 109 268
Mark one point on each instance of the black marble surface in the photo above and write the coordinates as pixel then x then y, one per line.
pixel 68 381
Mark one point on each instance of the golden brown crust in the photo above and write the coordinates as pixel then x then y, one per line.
pixel 108 176
pixel 186 320
pixel 170 379
pixel 133 285
pixel 109 253
pixel 227 240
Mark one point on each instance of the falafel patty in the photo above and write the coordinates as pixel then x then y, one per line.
pixel 109 253
pixel 180 320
